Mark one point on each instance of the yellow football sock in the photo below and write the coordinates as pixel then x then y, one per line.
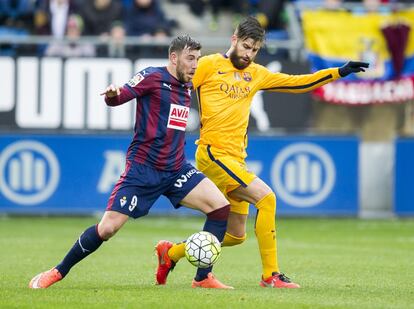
pixel 265 229
pixel 231 240
pixel 177 251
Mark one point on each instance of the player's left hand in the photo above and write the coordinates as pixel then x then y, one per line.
pixel 111 91
pixel 353 67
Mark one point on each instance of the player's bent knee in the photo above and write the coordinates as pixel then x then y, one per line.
pixel 107 231
pixel 232 240
pixel 217 203
pixel 268 201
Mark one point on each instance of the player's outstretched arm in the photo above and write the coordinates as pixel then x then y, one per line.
pixel 306 82
pixel 352 67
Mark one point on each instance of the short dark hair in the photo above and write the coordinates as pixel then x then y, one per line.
pixel 250 28
pixel 179 43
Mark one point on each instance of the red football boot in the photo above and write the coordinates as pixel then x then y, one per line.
pixel 165 264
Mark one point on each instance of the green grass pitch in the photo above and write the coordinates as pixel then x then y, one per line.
pixel 340 263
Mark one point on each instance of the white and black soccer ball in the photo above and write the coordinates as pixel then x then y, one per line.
pixel 202 249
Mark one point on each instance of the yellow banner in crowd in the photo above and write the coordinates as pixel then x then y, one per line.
pixel 385 41
pixel 345 35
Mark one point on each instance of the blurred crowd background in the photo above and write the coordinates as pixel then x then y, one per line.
pixel 117 19
pixel 148 20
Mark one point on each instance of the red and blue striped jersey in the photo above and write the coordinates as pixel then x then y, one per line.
pixel 163 106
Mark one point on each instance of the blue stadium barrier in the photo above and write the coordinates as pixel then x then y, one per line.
pixel 404 171
pixel 74 174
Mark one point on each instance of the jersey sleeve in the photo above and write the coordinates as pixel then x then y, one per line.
pixel 281 82
pixel 204 69
pixel 139 85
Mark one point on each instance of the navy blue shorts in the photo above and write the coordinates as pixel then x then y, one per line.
pixel 140 186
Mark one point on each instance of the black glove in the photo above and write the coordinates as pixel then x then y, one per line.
pixel 352 67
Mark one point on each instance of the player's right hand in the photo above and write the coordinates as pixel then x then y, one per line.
pixel 112 91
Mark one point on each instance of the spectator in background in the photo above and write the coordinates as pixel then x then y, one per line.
pixel 271 15
pixel 116 46
pixel 71 48
pixel 16 16
pixel 100 15
pixel 237 7
pixel 51 17
pixel 145 18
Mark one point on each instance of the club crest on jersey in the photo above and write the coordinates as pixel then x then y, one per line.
pixel 123 201
pixel 136 80
pixel 178 117
pixel 247 76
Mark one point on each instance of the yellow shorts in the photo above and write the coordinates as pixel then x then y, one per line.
pixel 227 172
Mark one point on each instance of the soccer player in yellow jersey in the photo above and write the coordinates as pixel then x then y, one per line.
pixel 225 85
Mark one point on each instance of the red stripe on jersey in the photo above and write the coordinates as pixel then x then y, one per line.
pixel 165 151
pixel 151 125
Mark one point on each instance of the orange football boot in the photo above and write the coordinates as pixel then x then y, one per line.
pixel 45 279
pixel 210 283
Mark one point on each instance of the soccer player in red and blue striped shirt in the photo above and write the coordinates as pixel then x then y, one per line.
pixel 155 163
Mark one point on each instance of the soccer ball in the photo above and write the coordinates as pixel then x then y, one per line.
pixel 202 249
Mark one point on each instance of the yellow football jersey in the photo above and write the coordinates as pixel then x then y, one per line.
pixel 225 93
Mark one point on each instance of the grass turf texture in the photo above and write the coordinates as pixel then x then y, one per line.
pixel 340 263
